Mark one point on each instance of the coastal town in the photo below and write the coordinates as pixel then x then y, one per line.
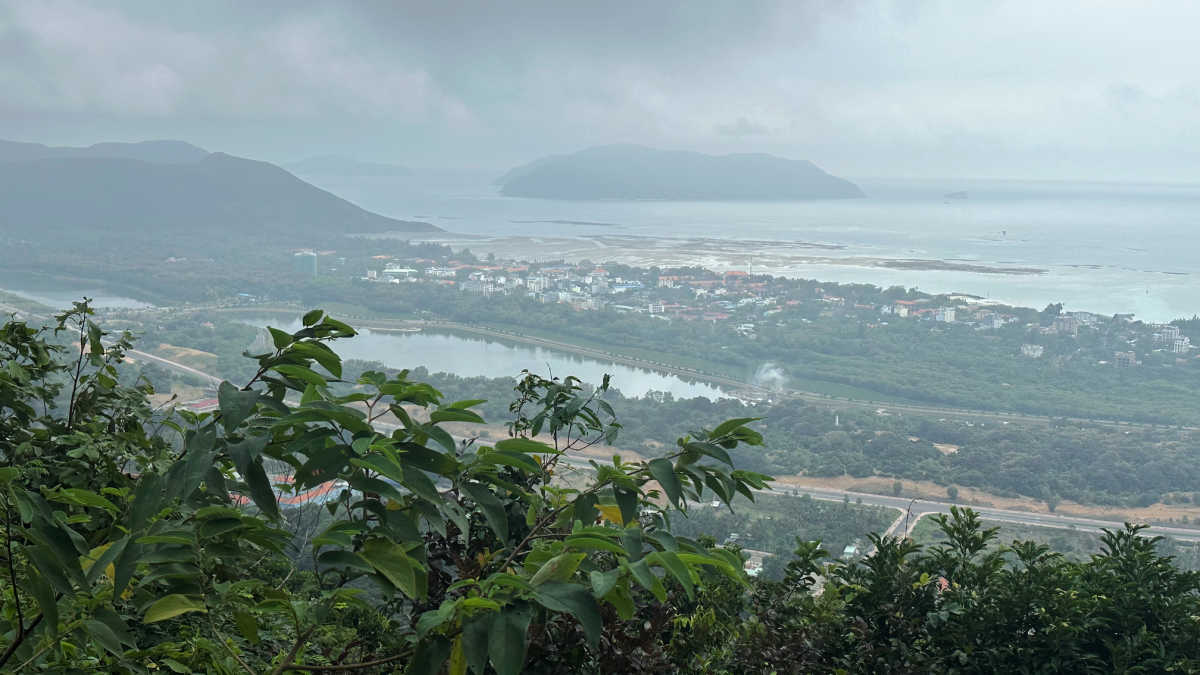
pixel 748 303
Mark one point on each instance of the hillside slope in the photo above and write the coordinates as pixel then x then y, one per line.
pixel 165 188
pixel 635 172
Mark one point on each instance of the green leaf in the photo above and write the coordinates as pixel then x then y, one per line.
pixel 594 544
pixel 603 582
pixel 147 500
pixel 382 465
pixel 458 658
pixel 517 460
pixel 664 472
pixel 103 635
pixel 558 568
pixel 116 624
pixel 676 567
pixel 280 338
pixel 575 600
pixel 8 474
pixel 506 639
pixel 585 508
pixel 493 510
pixel 729 425
pixel 320 353
pixel 247 626
pixel 312 317
pixel 45 599
pixel 106 558
pixel 469 403
pixel 339 559
pixel 175 666
pixel 216 527
pixel 631 541
pixel 627 501
pixel 339 533
pixel 171 606
pixel 94 340
pixel 475 642
pixel 236 405
pixel 645 576
pixel 455 415
pixel 621 600
pixel 81 497
pixel 431 654
pixel 390 560
pixel 301 373
pixel 57 543
pixel 710 449
pixel 247 457
pixel 525 445
pixel 124 567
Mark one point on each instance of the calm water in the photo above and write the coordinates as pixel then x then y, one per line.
pixel 61 298
pixel 1104 247
pixel 472 356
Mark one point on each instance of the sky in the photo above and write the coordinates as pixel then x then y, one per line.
pixel 1066 89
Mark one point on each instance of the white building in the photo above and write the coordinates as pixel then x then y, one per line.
pixel 398 272
pixel 944 314
pixel 1032 351
pixel 440 273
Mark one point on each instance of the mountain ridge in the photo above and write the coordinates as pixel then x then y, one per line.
pixel 639 172
pixel 167 188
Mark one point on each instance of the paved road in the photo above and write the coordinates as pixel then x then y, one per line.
pixel 922 507
pixel 134 353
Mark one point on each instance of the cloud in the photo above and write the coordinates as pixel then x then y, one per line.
pixel 742 127
pixel 870 87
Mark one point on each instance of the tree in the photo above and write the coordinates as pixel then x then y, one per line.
pixel 123 544
pixel 952 492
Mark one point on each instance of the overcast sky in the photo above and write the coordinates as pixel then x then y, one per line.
pixel 1043 89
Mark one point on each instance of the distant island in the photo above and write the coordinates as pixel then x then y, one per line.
pixel 636 172
pixel 166 188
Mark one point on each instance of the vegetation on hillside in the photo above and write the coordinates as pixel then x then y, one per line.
pixel 136 540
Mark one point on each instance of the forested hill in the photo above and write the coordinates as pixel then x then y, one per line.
pixel 635 172
pixel 165 187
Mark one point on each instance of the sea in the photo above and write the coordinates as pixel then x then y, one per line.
pixel 1100 247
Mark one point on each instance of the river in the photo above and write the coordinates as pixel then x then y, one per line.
pixel 471 356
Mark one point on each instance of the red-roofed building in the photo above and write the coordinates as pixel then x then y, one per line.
pixel 202 405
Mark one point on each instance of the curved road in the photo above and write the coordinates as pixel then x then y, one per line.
pixel 921 508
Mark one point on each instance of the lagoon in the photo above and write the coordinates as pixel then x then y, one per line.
pixel 472 356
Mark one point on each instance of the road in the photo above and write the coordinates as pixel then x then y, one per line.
pixel 921 508
pixel 210 380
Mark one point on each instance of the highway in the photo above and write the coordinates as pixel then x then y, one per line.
pixel 921 508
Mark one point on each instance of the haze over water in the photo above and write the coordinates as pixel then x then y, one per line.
pixel 1103 247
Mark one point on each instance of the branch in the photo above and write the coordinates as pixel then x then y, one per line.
pixel 286 664
pixel 12 572
pixel 353 666
pixel 225 643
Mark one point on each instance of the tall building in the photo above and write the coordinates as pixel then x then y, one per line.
pixel 304 263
